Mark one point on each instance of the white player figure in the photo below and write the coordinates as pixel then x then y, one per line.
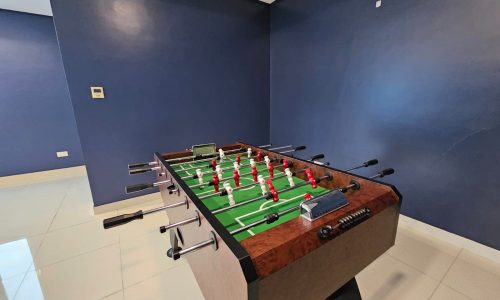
pixel 199 174
pixel 237 167
pixel 249 152
pixel 289 176
pixel 262 183
pixel 252 162
pixel 229 191
pixel 218 170
pixel 222 155
pixel 267 160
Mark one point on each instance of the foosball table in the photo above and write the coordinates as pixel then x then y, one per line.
pixel 259 223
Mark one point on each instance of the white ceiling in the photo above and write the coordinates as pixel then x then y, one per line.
pixel 42 7
pixel 39 7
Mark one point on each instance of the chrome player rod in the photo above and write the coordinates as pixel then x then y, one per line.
pixel 177 253
pixel 328 176
pixel 273 217
pixel 196 218
pixel 144 186
pixel 126 218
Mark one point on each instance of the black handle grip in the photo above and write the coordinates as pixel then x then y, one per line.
pixel 137 165
pixel 138 187
pixel 371 162
pixel 137 171
pixel 299 148
pixel 122 219
pixel 386 172
pixel 317 156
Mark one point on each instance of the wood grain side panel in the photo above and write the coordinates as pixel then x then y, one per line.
pixel 279 246
pixel 318 275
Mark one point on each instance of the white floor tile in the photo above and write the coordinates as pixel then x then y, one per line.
pixel 67 217
pixel 17 256
pixel 388 278
pixel 8 287
pixel 177 283
pixel 30 288
pixel 430 256
pixel 72 241
pixel 115 296
pixel 144 257
pixel 92 275
pixel 445 293
pixel 474 276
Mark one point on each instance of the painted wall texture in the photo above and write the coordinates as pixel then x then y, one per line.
pixel 413 83
pixel 175 73
pixel 36 117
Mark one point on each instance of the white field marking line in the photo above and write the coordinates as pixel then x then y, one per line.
pixel 242 224
pixel 260 209
pixel 284 201
pixel 187 172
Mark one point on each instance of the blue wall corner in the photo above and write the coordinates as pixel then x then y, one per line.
pixel 36 116
pixel 174 72
pixel 414 83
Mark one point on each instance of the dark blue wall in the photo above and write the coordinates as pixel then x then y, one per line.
pixel 413 83
pixel 175 73
pixel 36 118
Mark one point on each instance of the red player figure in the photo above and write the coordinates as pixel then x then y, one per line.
pixel 238 159
pixel 254 173
pixel 259 156
pixel 216 182
pixel 214 163
pixel 307 196
pixel 275 195
pixel 311 179
pixel 270 168
pixel 270 185
pixel 308 173
pixel 272 190
pixel 236 177
pixel 313 183
pixel 285 164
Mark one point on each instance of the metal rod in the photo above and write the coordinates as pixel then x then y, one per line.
pixel 241 175
pixel 196 247
pixel 164 228
pixel 265 146
pixel 221 210
pixel 153 210
pixel 368 163
pixel 209 166
pixel 282 147
pixel 215 154
pixel 211 241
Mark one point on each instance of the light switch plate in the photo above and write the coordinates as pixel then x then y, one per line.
pixel 62 154
pixel 97 92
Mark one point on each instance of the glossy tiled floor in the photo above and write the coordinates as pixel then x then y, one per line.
pixel 52 246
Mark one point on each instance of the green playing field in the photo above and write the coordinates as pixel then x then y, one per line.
pixel 256 211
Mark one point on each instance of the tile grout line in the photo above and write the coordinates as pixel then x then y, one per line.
pixel 40 245
pixel 446 273
pixel 75 256
pixel 154 275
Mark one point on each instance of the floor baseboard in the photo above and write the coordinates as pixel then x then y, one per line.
pixel 43 176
